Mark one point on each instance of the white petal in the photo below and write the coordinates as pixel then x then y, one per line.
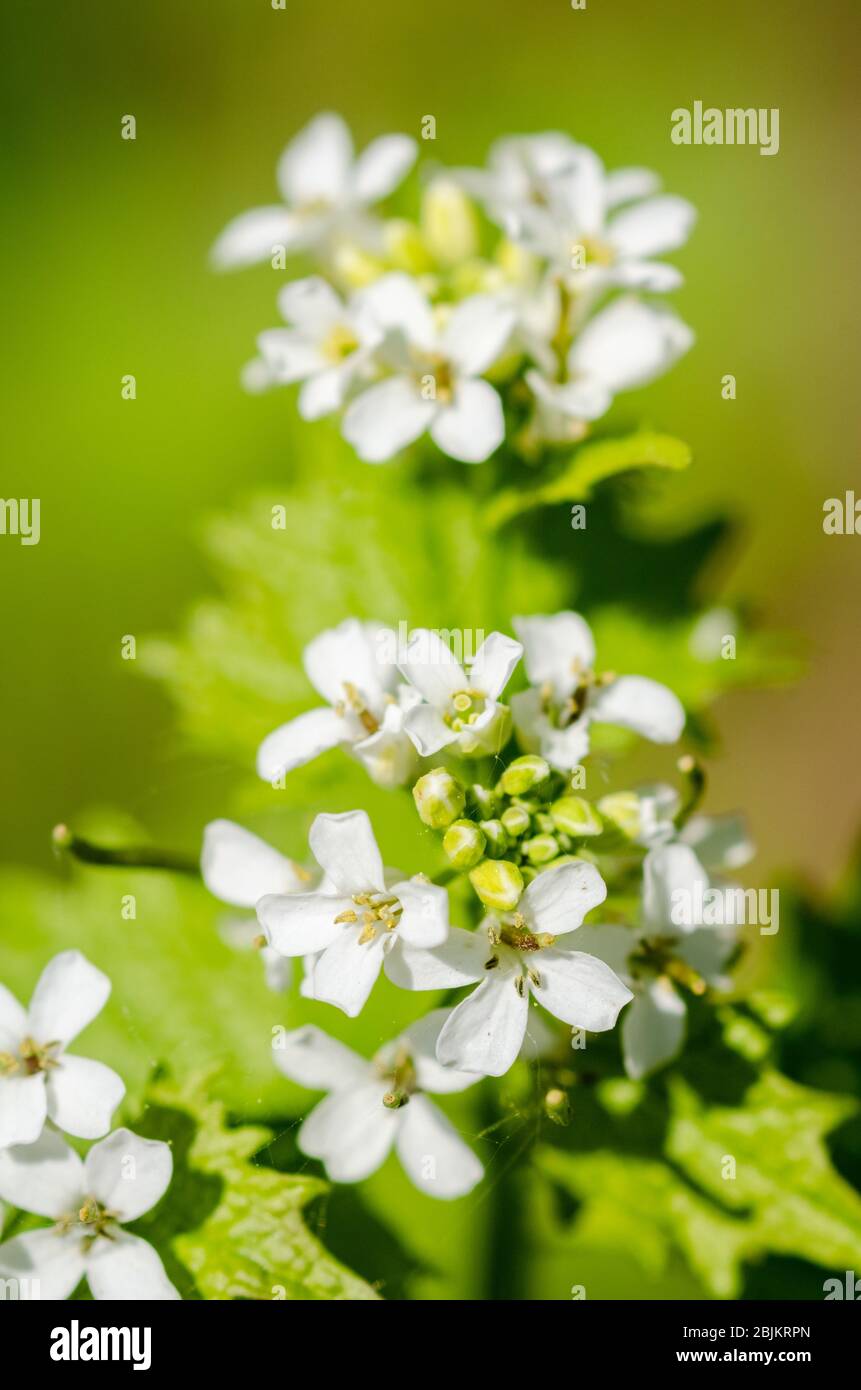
pixel 477 332
pixel 351 1132
pixel 611 943
pixel 566 748
pixel 23 1109
pixel 382 165
pixel 128 1174
pixel 494 664
pixel 69 994
pixel 652 227
pixel 350 653
pixel 13 1021
pixel 397 305
pixel 430 665
pixel 277 970
pixel 301 922
pixel 640 704
pixel 458 961
pixel 386 418
pixel 298 741
pixel 421 1039
pixel 310 304
pixel 46 1178
pixel 240 868
pixel 255 236
pixel 289 356
pixel 674 885
pixel 720 842
pixel 432 1152
pixel 557 649
pixel 127 1269
pixel 557 900
pixel 585 399
pixel 623 185
pixel 388 756
pixel 629 344
pixel 82 1096
pixel 707 949
pixel 653 1028
pixel 345 848
pixel 579 989
pixel 347 971
pixel 326 392
pixel 653 277
pixel 315 166
pixel 53 1260
pixel 424 920
pixel 311 1058
pixel 485 1033
pixel 473 426
pixel 427 730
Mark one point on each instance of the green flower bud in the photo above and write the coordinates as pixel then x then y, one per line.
pixel 497 840
pixel 449 224
pixel 516 820
pixel 498 883
pixel 523 774
pixel 464 843
pixel 541 849
pixel 623 809
pixel 485 801
pixel 545 823
pixel 557 1106
pixel 439 798
pixel 575 816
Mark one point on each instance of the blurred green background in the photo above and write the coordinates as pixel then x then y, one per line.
pixel 106 274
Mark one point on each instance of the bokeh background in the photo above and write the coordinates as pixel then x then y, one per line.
pixel 106 274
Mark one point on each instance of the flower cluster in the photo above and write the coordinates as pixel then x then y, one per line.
pixel 536 856
pixel 43 1090
pixel 512 305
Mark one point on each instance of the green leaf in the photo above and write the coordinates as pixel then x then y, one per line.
pixel 236 1228
pixel 592 463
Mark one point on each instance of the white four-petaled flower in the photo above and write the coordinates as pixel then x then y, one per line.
pixel 90 1200
pixel 360 918
pixel 669 947
pixel 458 708
pixel 326 190
pixel 365 712
pixel 436 367
pixel 39 1079
pixel 375 1106
pixel 565 697
pixel 516 955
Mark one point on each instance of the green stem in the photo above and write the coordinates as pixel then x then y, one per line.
pixel 129 857
pixel 693 790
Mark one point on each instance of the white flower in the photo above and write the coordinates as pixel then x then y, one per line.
pixel 328 346
pixel 627 345
pixel 90 1200
pixel 515 955
pixel 325 191
pixel 375 1106
pixel 669 945
pixel 365 713
pixel 554 196
pixel 565 697
pixel 239 868
pixel 436 384
pixel 38 1077
pixel 357 921
pixel 458 708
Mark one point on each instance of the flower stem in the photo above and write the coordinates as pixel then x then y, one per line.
pixel 129 856
pixel 693 790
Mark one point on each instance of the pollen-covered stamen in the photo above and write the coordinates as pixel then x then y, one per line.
pixel 403 1076
pixel 514 932
pixel 96 1219
pixel 656 956
pixel 466 706
pixel 339 342
pixel 32 1057
pixel 353 703
pixel 379 912
pixel 595 252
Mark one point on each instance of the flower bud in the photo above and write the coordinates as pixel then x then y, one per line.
pixel 516 820
pixel 464 843
pixel 439 798
pixel 485 801
pixel 497 839
pixel 575 816
pixel 498 883
pixel 523 774
pixel 449 223
pixel 557 1106
pixel 623 809
pixel 541 849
